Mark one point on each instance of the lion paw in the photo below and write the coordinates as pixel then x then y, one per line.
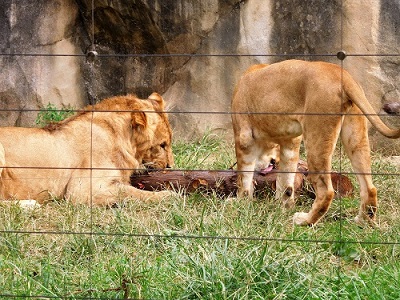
pixel 25 204
pixel 300 218
pixel 289 203
pixel 166 194
pixel 364 221
pixel 29 204
pixel 245 194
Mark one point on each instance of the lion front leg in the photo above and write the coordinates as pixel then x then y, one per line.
pixel 119 192
pixel 245 181
pixel 246 154
pixel 289 157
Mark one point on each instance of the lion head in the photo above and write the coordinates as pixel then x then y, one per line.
pixel 154 147
pixel 149 129
pixel 268 159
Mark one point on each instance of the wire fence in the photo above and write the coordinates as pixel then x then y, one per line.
pixel 86 229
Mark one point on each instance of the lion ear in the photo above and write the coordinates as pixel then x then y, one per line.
pixel 158 99
pixel 139 120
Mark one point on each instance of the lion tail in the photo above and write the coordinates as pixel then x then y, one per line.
pixel 356 94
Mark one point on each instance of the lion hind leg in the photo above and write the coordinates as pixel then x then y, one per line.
pixel 356 144
pixel 320 148
pixel 2 158
pixel 2 165
pixel 289 157
pixel 324 196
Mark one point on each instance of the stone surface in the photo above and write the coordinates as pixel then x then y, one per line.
pixel 186 50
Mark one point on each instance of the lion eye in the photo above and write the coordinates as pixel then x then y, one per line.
pixel 163 145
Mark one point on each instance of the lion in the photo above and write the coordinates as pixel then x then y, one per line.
pixel 275 107
pixel 88 158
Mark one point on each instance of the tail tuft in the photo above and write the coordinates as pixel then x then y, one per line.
pixel 392 108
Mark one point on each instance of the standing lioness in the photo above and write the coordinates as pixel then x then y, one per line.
pixel 276 106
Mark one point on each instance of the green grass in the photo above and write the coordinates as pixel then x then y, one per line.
pixel 50 113
pixel 202 247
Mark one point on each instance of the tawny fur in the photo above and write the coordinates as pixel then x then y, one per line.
pixel 89 157
pixel 276 106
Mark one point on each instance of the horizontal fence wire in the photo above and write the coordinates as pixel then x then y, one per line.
pixel 206 112
pixel 166 55
pixel 202 237
pixel 145 171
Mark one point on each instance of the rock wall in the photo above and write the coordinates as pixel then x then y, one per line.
pixel 186 50
pixel 28 81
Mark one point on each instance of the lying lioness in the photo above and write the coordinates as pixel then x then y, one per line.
pixel 276 106
pixel 89 157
